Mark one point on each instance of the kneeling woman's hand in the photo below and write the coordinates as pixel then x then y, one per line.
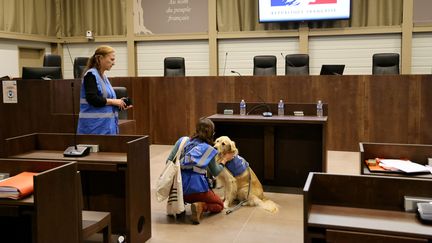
pixel 227 157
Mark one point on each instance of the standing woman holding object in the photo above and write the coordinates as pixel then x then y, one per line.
pixel 99 105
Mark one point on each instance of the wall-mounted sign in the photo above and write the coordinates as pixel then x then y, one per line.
pixel 10 94
pixel 170 16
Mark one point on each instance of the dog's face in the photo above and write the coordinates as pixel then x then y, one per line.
pixel 225 145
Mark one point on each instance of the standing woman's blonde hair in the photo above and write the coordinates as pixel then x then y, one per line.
pixel 101 51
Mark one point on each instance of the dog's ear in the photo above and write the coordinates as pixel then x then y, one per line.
pixel 233 147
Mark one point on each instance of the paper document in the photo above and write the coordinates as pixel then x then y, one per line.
pixel 404 165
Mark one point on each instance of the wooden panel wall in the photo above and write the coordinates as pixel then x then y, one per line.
pixel 361 108
pixel 391 109
pixel 425 110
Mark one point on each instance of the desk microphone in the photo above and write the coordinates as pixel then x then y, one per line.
pixel 74 150
pixel 70 56
pixel 263 103
pixel 267 113
pixel 233 71
pixel 226 57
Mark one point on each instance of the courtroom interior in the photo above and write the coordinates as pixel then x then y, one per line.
pixel 327 100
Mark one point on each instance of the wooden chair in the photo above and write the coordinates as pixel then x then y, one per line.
pixel 94 221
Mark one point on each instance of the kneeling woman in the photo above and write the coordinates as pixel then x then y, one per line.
pixel 198 157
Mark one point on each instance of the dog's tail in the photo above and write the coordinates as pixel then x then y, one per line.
pixel 270 206
pixel 266 204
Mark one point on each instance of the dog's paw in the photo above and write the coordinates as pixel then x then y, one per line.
pixel 226 204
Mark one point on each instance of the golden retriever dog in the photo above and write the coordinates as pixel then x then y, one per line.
pixel 236 183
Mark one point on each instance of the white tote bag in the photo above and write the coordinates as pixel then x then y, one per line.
pixel 166 179
pixel 175 204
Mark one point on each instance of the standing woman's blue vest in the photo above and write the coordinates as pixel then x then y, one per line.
pixel 98 120
pixel 194 162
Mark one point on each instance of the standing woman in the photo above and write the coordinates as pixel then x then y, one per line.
pixel 99 105
pixel 197 157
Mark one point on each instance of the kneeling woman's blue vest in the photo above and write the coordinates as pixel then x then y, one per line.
pixel 194 162
pixel 98 120
pixel 237 165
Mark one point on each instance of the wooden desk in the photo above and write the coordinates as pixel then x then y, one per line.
pixel 116 179
pixel 46 106
pixel 127 127
pixel 54 203
pixel 343 208
pixel 282 150
pixel 418 153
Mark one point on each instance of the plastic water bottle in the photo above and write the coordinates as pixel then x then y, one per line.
pixel 242 108
pixel 319 108
pixel 281 110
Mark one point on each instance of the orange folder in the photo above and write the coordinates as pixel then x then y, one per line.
pixel 378 168
pixel 17 186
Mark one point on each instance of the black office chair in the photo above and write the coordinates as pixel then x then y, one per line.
pixel 297 64
pixel 174 67
pixel 79 65
pixel 120 93
pixel 52 60
pixel 385 63
pixel 264 65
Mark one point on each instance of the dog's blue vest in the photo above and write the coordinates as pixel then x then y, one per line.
pixel 237 165
pixel 194 162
